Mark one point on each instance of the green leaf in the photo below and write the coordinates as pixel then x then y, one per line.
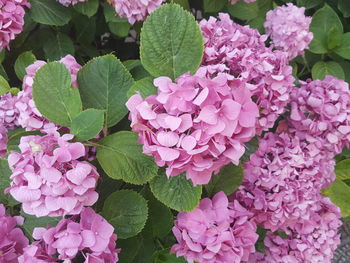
pixel 4 86
pixel 309 3
pixel 88 8
pixel 344 49
pixel 322 22
pixel 342 170
pixel 121 157
pixel 339 193
pixel 49 12
pixel 85 29
pixel 136 69
pixel 227 180
pixel 243 10
pixel 54 95
pixel 127 211
pixel 87 124
pixel 120 28
pixel 334 38
pixel 24 60
pixel 103 84
pixel 184 3
pixel 171 42
pixel 321 69
pixel 144 86
pixel 344 7
pixel 5 174
pixel 164 256
pixel 3 72
pixel 110 15
pixel 212 6
pixel 258 22
pixel 57 46
pixel 31 222
pixel 176 192
pixel 130 248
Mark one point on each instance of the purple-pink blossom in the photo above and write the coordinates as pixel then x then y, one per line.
pixel 11 20
pixel 217 231
pixel 289 29
pixel 12 239
pixel 29 116
pixel 321 108
pixel 283 178
pixel 88 234
pixel 70 2
pixel 8 111
pixel 47 177
pixel 135 10
pixel 195 124
pixel 3 141
pixel 241 52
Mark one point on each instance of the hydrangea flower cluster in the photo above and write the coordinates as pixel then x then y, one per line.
pixel 283 178
pixel 70 2
pixel 89 234
pixel 195 125
pixel 321 108
pixel 47 177
pixel 313 240
pixel 8 111
pixel 241 51
pixel 3 141
pixel 217 231
pixel 288 28
pixel 11 20
pixel 29 116
pixel 12 239
pixel 135 10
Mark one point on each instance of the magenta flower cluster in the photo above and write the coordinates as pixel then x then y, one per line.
pixel 217 231
pixel 195 125
pixel 89 234
pixel 241 52
pixel 47 177
pixel 135 10
pixel 11 20
pixel 288 28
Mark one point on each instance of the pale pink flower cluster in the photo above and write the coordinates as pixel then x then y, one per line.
pixel 289 29
pixel 71 2
pixel 29 116
pixel 321 108
pixel 247 1
pixel 3 141
pixel 8 111
pixel 12 239
pixel 241 52
pixel 217 231
pixel 283 178
pixel 195 124
pixel 312 240
pixel 47 177
pixel 90 234
pixel 135 10
pixel 11 20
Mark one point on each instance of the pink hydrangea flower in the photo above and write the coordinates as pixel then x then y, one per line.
pixel 47 177
pixel 8 111
pixel 247 1
pixel 3 141
pixel 241 51
pixel 283 178
pixel 29 116
pixel 217 231
pixel 70 2
pixel 12 239
pixel 195 125
pixel 11 20
pixel 313 240
pixel 289 30
pixel 89 234
pixel 321 108
pixel 135 10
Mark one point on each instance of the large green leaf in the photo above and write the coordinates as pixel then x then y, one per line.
pixel 322 23
pixel 121 157
pixel 344 7
pixel 58 45
pixel 54 95
pixel 49 12
pixel 344 49
pixel 103 84
pixel 88 8
pixel 4 86
pixel 342 170
pixel 211 6
pixel 243 10
pixel 322 69
pixel 227 180
pixel 171 42
pixel 164 256
pixel 87 124
pixel 176 192
pixel 127 211
pixel 24 60
pixel 143 86
pixel 5 174
pixel 339 193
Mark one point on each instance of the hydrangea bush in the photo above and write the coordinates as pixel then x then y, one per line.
pixel 173 131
